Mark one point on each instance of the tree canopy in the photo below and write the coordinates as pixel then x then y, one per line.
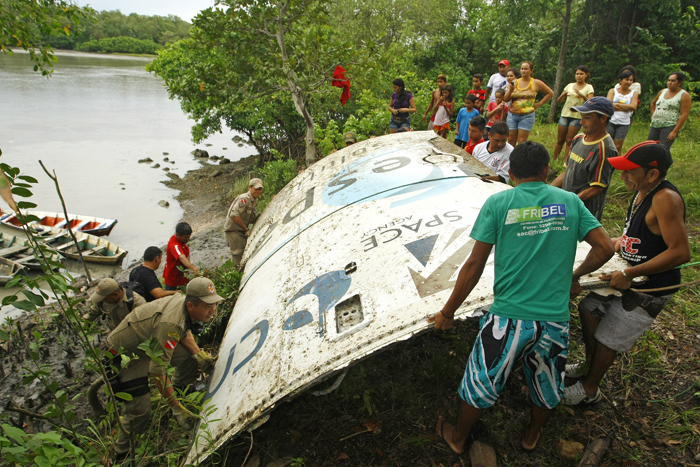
pixel 233 70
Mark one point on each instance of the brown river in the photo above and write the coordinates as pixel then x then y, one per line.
pixel 91 123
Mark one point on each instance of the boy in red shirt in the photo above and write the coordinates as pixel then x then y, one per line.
pixel 477 128
pixel 477 82
pixel 178 254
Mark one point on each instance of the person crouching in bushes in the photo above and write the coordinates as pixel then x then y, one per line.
pixel 444 108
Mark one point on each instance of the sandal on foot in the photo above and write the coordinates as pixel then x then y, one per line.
pixel 444 440
pixel 534 446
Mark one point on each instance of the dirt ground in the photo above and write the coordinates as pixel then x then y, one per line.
pixel 385 411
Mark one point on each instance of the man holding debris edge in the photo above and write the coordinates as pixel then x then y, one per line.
pixel 535 229
pixel 654 243
pixel 165 323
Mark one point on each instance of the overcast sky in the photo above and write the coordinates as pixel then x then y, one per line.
pixel 185 9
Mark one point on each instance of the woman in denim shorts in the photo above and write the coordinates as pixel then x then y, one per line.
pixel 521 114
pixel 570 122
pixel 401 106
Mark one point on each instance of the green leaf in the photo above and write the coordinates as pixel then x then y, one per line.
pixel 23 192
pixel 125 396
pixel 4 336
pixel 25 205
pixel 14 433
pixel 27 178
pixel 37 300
pixel 25 305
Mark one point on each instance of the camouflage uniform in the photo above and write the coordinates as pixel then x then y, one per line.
pixel 244 207
pixel 166 320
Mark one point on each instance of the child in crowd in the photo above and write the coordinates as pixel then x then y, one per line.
pixel 512 76
pixel 464 116
pixel 496 111
pixel 477 128
pixel 444 109
pixel 441 81
pixel 477 82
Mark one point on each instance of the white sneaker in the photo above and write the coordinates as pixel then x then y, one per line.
pixel 576 395
pixel 576 370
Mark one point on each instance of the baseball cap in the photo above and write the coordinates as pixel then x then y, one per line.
pixel 597 104
pixel 105 287
pixel 350 137
pixel 647 154
pixel 203 289
pixel 255 183
pixel 504 62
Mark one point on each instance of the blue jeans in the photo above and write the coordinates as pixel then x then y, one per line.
pixel 521 122
pixel 570 121
pixel 395 125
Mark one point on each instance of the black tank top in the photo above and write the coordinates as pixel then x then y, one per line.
pixel 639 244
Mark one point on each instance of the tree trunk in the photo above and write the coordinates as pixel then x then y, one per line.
pixel 560 64
pixel 301 107
pixel 296 91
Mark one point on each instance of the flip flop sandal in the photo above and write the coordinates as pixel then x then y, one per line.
pixel 442 437
pixel 532 449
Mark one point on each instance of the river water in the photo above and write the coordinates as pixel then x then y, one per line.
pixel 91 122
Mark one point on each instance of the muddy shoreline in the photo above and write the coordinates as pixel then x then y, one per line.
pixel 205 194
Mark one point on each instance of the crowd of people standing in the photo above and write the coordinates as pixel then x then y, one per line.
pixel 528 322
pixel 510 96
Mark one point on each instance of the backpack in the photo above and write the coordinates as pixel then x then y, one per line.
pixel 130 288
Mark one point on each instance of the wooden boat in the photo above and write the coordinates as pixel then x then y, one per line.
pixel 97 226
pixel 18 250
pixel 9 269
pixel 94 249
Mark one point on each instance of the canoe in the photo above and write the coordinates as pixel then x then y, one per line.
pixel 94 249
pixel 97 226
pixel 349 258
pixel 9 269
pixel 17 249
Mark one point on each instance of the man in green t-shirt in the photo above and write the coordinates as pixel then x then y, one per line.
pixel 535 229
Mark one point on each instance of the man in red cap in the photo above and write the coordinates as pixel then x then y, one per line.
pixel 654 242
pixel 497 81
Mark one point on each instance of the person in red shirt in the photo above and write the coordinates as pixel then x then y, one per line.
pixel 178 254
pixel 477 128
pixel 480 94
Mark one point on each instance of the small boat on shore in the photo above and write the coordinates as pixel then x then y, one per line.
pixel 97 226
pixel 9 269
pixel 94 249
pixel 19 251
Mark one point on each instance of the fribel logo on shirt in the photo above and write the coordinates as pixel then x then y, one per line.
pixel 535 213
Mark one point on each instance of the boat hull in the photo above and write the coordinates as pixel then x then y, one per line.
pixel 90 225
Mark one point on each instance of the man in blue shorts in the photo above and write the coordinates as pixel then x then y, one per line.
pixel 535 228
